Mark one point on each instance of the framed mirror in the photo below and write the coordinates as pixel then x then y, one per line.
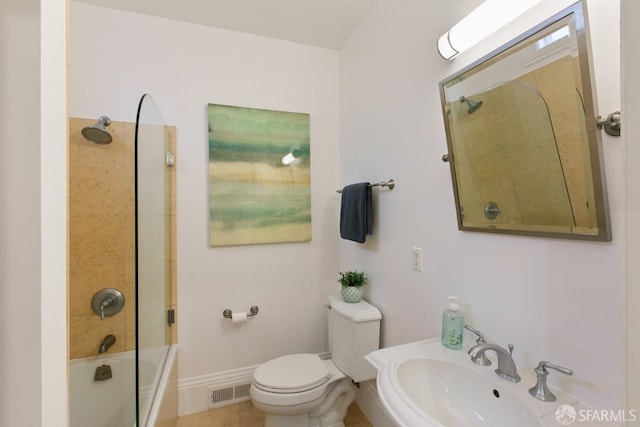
pixel 523 144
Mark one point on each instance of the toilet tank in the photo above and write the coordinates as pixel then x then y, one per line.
pixel 354 332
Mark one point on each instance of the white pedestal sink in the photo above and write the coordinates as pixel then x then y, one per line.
pixel 424 384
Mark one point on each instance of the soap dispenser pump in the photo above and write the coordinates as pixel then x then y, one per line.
pixel 452 324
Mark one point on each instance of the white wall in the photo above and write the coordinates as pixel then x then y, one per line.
pixel 33 213
pixel 631 132
pixel 115 57
pixel 20 212
pixel 53 181
pixel 555 300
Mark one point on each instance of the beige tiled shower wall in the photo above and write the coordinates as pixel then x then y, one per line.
pixel 101 243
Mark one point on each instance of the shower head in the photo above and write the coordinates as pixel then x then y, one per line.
pixel 473 105
pixel 97 133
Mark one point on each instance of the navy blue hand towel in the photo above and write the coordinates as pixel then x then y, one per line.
pixel 356 212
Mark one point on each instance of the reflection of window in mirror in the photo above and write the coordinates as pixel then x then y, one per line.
pixel 553 37
pixel 523 159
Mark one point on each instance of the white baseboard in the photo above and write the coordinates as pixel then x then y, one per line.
pixel 194 395
pixel 370 404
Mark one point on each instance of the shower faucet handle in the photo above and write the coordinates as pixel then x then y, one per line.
pixel 107 302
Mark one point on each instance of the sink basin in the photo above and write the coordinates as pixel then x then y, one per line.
pixel 425 384
pixel 456 395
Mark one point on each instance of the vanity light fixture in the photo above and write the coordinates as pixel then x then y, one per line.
pixel 486 19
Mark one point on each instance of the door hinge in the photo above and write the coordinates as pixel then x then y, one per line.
pixel 171 159
pixel 171 317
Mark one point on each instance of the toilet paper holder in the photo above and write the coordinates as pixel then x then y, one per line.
pixel 252 312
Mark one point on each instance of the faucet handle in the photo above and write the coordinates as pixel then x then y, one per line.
pixel 541 391
pixel 543 365
pixel 481 359
pixel 480 335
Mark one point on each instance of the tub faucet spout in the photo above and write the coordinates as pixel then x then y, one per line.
pixel 506 366
pixel 107 342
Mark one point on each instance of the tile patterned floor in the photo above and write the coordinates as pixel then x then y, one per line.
pixel 246 415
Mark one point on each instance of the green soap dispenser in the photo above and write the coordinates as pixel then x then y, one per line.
pixel 452 324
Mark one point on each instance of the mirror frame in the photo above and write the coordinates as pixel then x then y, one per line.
pixel 598 180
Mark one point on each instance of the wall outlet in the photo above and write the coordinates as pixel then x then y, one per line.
pixel 416 259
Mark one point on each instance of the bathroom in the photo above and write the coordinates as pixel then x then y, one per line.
pixel 376 115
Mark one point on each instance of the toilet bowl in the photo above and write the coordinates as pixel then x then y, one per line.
pixel 303 390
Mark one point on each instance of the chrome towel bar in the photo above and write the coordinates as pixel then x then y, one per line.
pixel 390 184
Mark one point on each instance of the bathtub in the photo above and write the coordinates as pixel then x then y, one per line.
pixel 112 402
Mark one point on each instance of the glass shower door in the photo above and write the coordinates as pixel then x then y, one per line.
pixel 152 249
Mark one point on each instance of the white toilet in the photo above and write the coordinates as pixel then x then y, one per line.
pixel 302 390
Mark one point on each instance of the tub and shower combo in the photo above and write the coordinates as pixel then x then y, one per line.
pixel 112 402
pixel 130 375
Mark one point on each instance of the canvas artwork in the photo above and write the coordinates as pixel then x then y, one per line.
pixel 259 176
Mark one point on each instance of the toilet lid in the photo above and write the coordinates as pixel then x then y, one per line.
pixel 292 373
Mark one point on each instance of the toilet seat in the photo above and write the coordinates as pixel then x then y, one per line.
pixel 293 373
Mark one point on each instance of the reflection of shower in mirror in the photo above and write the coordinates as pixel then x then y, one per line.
pixel 473 105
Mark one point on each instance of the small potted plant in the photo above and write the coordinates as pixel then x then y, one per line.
pixel 352 282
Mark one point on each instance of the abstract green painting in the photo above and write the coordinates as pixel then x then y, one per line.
pixel 259 176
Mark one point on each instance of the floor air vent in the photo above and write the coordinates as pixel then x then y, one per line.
pixel 221 395
pixel 228 395
pixel 241 390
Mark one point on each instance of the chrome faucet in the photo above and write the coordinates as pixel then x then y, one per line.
pixel 506 366
pixel 481 359
pixel 540 391
pixel 106 342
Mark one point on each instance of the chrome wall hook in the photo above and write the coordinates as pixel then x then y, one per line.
pixel 611 124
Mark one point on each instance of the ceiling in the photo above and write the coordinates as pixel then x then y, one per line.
pixel 322 23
